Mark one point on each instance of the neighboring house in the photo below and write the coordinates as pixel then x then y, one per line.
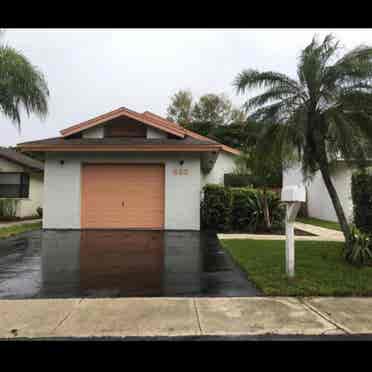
pixel 319 204
pixel 124 170
pixel 21 182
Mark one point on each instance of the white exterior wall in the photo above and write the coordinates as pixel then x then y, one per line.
pixel 319 203
pixel 224 164
pixel 62 187
pixel 26 207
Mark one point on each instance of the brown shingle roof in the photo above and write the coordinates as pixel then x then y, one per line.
pixel 119 141
pixel 61 144
pixel 185 136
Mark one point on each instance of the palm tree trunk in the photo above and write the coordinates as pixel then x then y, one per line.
pixel 336 203
pixel 266 210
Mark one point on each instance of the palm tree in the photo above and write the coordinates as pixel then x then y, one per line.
pixel 21 86
pixel 325 114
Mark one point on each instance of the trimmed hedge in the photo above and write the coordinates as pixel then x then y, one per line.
pixel 238 180
pixel 251 181
pixel 239 209
pixel 361 192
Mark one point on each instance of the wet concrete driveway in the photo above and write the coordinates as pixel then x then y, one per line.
pixel 118 263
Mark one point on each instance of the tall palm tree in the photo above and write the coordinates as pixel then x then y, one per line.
pixel 325 114
pixel 22 85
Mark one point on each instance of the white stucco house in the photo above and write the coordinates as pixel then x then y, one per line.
pixel 21 183
pixel 319 204
pixel 128 170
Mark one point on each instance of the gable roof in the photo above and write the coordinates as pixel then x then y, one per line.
pixel 147 118
pixel 124 112
pixel 17 157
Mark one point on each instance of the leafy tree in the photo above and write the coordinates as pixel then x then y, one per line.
pixel 240 135
pixel 213 116
pixel 325 114
pixel 264 165
pixel 211 110
pixel 180 108
pixel 22 85
pixel 214 109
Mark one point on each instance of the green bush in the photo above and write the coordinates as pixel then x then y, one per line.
pixel 277 211
pixel 360 253
pixel 216 208
pixel 246 209
pixel 361 191
pixel 239 209
pixel 8 208
pixel 39 211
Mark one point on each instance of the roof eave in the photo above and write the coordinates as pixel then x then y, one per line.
pixel 33 168
pixel 119 148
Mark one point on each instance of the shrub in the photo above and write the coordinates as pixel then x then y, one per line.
pixel 246 209
pixel 8 208
pixel 216 208
pixel 360 252
pixel 277 211
pixel 239 209
pixel 39 211
pixel 361 191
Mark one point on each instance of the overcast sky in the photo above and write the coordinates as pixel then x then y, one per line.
pixel 90 72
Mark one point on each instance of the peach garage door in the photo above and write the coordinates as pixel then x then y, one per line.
pixel 122 196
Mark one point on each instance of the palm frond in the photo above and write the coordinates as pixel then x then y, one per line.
pixel 249 79
pixel 21 85
pixel 355 67
pixel 274 94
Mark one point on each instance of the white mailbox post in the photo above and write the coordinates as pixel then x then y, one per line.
pixel 293 196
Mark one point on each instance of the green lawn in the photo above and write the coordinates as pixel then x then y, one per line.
pixel 318 222
pixel 320 270
pixel 6 232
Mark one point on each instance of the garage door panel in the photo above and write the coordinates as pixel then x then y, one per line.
pixel 106 187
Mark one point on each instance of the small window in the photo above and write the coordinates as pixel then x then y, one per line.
pixel 14 185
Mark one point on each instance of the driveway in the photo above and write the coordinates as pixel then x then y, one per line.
pixel 118 263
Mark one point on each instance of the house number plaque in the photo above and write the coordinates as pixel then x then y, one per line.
pixel 180 172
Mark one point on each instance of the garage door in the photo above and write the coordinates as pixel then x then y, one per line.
pixel 122 196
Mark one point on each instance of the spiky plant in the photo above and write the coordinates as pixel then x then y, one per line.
pixel 326 113
pixel 22 85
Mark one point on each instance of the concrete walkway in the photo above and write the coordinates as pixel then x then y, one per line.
pixel 18 223
pixel 322 234
pixel 174 317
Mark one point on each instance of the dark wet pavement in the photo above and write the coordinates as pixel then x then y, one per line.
pixel 118 263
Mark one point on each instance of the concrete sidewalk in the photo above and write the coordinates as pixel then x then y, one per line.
pixel 175 317
pixel 321 234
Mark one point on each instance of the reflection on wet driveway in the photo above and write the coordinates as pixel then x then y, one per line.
pixel 118 263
